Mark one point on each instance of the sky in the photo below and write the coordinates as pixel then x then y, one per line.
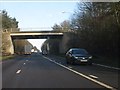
pixel 38 15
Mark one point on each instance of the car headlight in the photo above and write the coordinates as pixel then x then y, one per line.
pixel 76 57
pixel 90 57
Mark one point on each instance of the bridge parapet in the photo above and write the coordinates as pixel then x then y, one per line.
pixel 36 34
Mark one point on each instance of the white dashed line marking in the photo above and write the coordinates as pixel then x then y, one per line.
pixel 106 66
pixel 87 77
pixel 93 76
pixel 69 67
pixel 18 71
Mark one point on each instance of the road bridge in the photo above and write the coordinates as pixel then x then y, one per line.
pixel 36 34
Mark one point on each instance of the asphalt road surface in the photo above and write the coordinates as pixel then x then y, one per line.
pixel 39 71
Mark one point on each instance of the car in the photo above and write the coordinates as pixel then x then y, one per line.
pixel 78 55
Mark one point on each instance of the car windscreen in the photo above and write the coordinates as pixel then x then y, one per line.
pixel 82 51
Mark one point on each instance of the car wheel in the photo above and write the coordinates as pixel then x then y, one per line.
pixel 67 61
pixel 72 62
pixel 90 63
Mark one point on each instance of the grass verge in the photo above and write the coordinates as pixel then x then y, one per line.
pixel 6 57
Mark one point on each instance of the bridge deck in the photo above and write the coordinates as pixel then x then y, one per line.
pixel 35 34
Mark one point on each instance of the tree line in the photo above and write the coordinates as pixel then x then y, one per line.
pixel 94 26
pixel 10 24
pixel 7 21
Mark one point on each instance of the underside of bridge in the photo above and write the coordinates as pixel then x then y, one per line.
pixel 36 37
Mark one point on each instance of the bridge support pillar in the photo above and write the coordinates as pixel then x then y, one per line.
pixel 11 46
pixel 7 43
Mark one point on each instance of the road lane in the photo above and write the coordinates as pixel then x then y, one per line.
pixel 83 75
pixel 41 73
pixel 105 75
pixel 10 68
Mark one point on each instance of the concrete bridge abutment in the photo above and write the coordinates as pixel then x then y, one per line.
pixel 7 43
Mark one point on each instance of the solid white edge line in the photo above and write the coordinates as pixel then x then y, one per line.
pixel 18 71
pixel 89 78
